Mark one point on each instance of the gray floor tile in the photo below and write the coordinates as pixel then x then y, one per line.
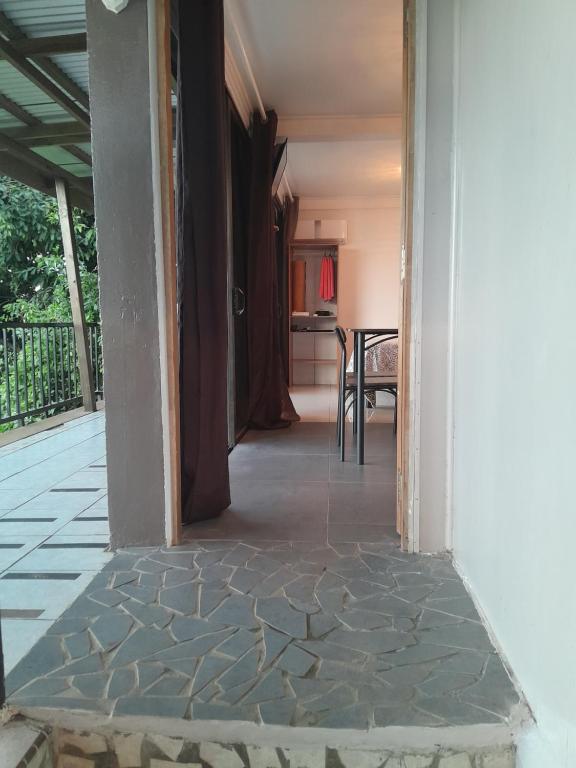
pixel 279 511
pixel 379 441
pixel 302 438
pixel 374 470
pixel 358 503
pixel 349 532
pixel 272 469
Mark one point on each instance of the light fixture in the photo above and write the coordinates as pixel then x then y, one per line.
pixel 115 5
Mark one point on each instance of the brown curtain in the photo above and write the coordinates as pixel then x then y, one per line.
pixel 287 230
pixel 270 404
pixel 201 240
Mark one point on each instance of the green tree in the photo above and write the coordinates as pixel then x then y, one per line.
pixel 33 285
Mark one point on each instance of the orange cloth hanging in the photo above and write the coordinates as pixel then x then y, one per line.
pixel 327 278
pixel 298 286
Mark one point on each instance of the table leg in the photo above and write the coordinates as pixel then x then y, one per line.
pixel 360 397
pixel 355 400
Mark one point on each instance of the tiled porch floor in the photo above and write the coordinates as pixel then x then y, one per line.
pixel 295 607
pixel 53 527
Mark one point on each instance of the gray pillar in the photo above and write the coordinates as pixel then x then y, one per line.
pixel 123 164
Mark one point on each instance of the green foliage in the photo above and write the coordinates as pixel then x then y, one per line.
pixel 33 286
pixel 37 367
pixel 51 304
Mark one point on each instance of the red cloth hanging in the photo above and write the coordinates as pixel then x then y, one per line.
pixel 327 278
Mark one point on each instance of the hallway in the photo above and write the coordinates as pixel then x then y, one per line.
pixel 290 485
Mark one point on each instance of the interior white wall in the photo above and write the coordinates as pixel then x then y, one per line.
pixel 515 346
pixel 369 262
pixel 433 217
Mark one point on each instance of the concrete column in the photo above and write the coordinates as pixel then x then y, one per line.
pixel 125 187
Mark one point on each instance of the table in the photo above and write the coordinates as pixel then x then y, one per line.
pixel 362 338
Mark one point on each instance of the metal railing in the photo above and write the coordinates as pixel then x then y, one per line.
pixel 39 369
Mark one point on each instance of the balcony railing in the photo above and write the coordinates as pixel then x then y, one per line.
pixel 39 369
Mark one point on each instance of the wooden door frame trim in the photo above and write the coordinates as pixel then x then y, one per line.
pixel 412 207
pixel 165 233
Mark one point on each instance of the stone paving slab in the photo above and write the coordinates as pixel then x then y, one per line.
pixel 355 635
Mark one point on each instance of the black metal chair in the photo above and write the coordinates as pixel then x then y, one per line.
pixel 347 388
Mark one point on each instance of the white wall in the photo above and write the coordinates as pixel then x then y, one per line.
pixel 434 201
pixel 515 348
pixel 369 263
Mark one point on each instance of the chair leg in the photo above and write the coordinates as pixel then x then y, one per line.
pixel 342 434
pixel 341 411
pixel 338 417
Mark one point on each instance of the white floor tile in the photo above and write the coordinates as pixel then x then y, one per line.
pixel 86 478
pixel 99 506
pixel 10 556
pixel 76 501
pixel 85 529
pixel 313 403
pixel 18 637
pixel 67 559
pixel 13 499
pixel 50 596
pixel 96 510
pixel 28 469
pixel 18 528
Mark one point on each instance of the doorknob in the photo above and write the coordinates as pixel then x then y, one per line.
pixel 238 301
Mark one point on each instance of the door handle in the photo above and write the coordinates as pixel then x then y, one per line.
pixel 238 301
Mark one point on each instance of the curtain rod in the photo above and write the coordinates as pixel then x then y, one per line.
pixel 246 60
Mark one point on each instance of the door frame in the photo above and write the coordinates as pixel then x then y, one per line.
pixel 161 119
pixel 415 14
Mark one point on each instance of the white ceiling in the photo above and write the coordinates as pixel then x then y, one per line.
pixel 325 57
pixel 329 57
pixel 344 168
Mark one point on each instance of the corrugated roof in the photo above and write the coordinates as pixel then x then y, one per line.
pixel 41 18
pixel 76 66
pixel 24 93
pixel 20 19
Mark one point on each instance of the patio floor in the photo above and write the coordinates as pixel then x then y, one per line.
pixel 53 527
pixel 313 618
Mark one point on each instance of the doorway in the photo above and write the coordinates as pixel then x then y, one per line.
pixel 343 164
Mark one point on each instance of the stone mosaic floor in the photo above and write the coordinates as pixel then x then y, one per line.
pixel 348 635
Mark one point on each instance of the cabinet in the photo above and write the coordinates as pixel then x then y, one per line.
pixel 314 357
pixel 313 344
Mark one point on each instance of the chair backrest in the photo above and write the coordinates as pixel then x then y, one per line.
pixel 341 338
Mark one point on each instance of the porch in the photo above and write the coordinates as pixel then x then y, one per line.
pixel 294 608
pixel 53 527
